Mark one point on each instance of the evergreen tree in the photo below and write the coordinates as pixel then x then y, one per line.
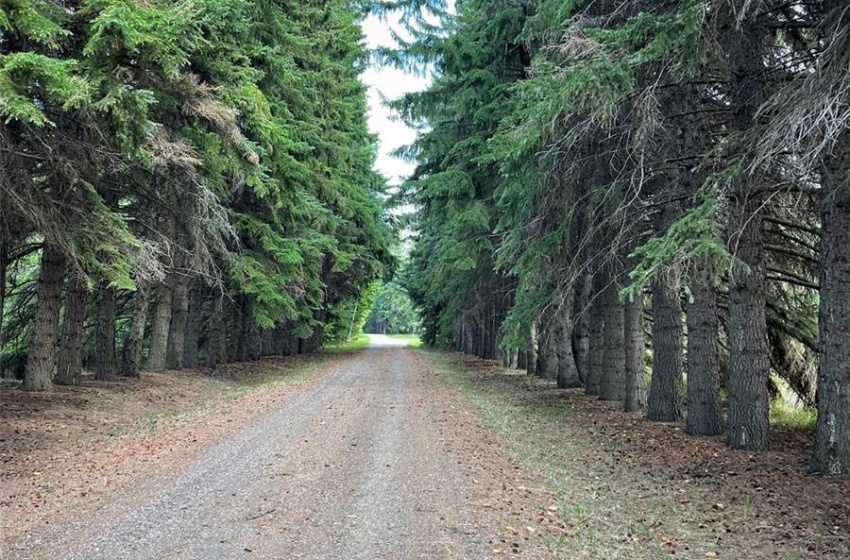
pixel 682 146
pixel 171 149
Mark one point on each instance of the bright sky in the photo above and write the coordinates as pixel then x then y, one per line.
pixel 388 83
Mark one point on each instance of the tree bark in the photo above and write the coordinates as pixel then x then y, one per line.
pixel 69 370
pixel 531 351
pixel 249 337
pixel 613 380
pixel 159 329
pixel 596 346
pixel 468 336
pixel 105 345
pixel 267 342
pixel 290 340
pixel 547 360
pixel 832 437
pixel 217 339
pixel 177 328
pixel 521 359
pixel 3 264
pixel 749 359
pixel 193 327
pixel 704 415
pixel 567 372
pixel 749 363
pixel 237 338
pixel 131 363
pixel 664 403
pixel 41 356
pixel 635 356
pixel 580 337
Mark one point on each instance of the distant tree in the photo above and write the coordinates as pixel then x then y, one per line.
pixel 392 312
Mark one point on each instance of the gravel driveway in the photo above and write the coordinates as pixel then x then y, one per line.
pixel 346 469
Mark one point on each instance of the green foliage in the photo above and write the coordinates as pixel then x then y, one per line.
pixel 348 318
pixel 157 32
pixel 791 416
pixel 392 311
pixel 696 236
pixel 512 180
pixel 29 80
pixel 219 140
pixel 454 187
pixel 103 245
pixel 36 20
pixel 356 343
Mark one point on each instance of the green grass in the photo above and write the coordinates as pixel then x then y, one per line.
pixel 413 340
pixel 507 417
pixel 790 416
pixel 610 506
pixel 357 343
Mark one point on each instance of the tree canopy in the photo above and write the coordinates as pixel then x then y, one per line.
pixel 586 170
pixel 209 160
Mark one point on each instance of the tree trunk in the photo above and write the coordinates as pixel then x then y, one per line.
pixel 275 341
pixel 612 383
pixel 596 346
pixel 3 264
pixel 832 437
pixel 567 372
pixel 255 343
pixel 749 359
pixel 217 339
pixel 521 359
pixel 267 346
pixel 464 335
pixel 177 327
pixel 664 403
pixel 237 339
pixel 291 341
pixel 749 364
pixel 159 329
pixel 635 355
pixel 41 356
pixel 531 351
pixel 580 337
pixel 547 358
pixel 704 415
pixel 105 346
pixel 69 370
pixel 249 337
pixel 225 334
pixel 193 327
pixel 481 338
pixel 131 364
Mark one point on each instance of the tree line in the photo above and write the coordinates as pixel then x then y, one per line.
pixel 596 178
pixel 182 183
pixel 392 312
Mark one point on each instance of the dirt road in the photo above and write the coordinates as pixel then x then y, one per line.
pixel 346 469
pixel 390 453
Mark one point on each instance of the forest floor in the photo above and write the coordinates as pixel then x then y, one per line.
pixel 389 453
pixel 630 488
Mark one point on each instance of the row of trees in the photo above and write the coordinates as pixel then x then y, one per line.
pixel 392 311
pixel 596 177
pixel 182 182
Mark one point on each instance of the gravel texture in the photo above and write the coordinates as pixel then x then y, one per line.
pixel 346 469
